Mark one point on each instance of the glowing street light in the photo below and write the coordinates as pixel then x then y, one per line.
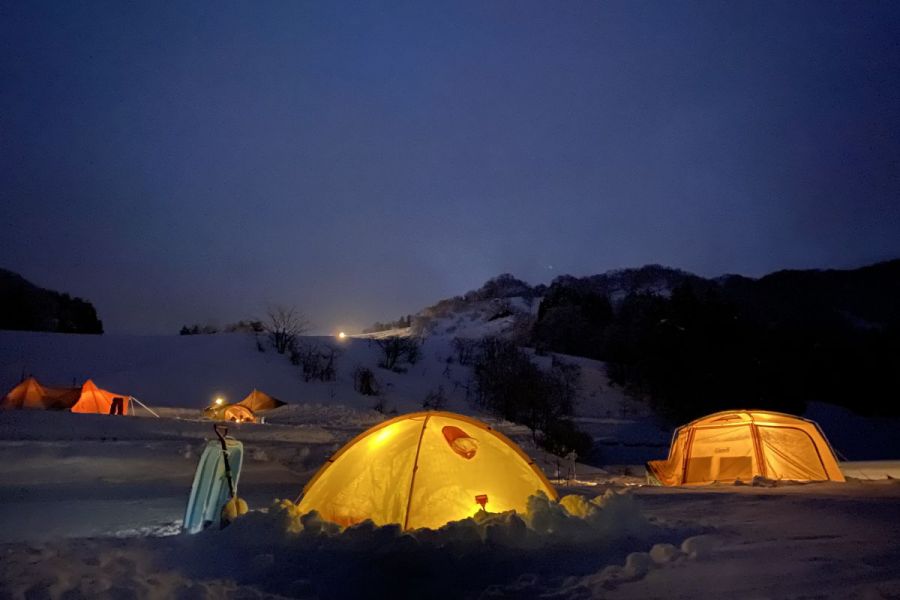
pixel 220 401
pixel 342 336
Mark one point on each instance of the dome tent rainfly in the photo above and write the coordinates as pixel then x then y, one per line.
pixel 423 470
pixel 742 444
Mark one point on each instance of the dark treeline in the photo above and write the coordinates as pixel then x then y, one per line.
pixel 776 342
pixel 509 384
pixel 242 326
pixel 25 306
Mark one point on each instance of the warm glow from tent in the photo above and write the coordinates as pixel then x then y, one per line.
pixel 383 436
pixel 220 401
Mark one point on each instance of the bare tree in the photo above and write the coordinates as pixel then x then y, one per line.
pixel 365 383
pixel 396 350
pixel 283 325
pixel 435 400
pixel 317 360
pixel 466 350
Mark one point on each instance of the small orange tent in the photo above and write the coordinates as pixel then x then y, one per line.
pixel 742 444
pixel 95 400
pixel 257 401
pixel 32 395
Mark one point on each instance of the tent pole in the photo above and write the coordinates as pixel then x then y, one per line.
pixel 145 406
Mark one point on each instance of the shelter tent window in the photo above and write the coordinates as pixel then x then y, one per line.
pixel 719 454
pixel 791 454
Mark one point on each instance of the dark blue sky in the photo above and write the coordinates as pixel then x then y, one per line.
pixel 179 162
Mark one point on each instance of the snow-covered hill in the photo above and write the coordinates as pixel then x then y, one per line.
pixel 189 371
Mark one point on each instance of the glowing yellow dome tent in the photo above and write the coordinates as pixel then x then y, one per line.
pixel 742 444
pixel 423 470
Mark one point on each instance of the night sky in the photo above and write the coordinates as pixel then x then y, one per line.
pixel 186 162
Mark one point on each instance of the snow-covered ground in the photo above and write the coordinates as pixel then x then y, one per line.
pixel 92 515
pixel 90 502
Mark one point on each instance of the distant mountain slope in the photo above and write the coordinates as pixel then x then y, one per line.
pixel 616 285
pixel 28 307
pixel 863 297
pixel 692 345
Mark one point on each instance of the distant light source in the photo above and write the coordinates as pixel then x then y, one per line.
pixel 342 335
pixel 220 401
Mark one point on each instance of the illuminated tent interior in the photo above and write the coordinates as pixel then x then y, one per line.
pixel 423 470
pixel 740 445
pixel 257 401
pixel 243 411
pixel 95 400
pixel 32 395
pixel 238 413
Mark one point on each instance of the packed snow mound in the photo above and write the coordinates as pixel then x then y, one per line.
pixel 283 553
pixel 637 566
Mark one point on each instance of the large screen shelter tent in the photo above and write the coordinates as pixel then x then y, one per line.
pixel 738 445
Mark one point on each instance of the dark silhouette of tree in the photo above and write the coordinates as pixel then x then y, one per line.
pixel 396 351
pixel 283 325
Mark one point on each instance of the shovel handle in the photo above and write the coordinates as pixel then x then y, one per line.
pixel 221 432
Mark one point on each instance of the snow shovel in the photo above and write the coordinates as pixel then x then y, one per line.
pixel 215 485
pixel 235 507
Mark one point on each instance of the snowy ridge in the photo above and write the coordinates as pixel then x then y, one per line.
pixel 504 317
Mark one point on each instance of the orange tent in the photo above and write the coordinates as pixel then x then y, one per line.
pixel 33 395
pixel 95 400
pixel 742 444
pixel 257 401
